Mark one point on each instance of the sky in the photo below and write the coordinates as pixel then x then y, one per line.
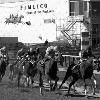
pixel 31 34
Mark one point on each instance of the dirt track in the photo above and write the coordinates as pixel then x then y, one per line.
pixel 9 91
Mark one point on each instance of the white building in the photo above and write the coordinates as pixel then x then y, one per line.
pixel 39 13
pixel 50 19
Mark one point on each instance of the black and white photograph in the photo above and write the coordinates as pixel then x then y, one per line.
pixel 49 49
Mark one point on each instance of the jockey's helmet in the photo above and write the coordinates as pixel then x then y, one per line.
pixel 55 48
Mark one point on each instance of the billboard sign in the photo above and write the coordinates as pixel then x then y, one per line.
pixel 36 8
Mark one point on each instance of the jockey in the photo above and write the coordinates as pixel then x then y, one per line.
pixel 32 54
pixel 50 52
pixel 20 53
pixel 4 54
pixel 84 55
pixel 3 51
pixel 39 54
pixel 87 56
pixel 89 51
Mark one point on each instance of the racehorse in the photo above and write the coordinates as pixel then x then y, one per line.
pixel 51 73
pixel 42 67
pixel 84 71
pixel 48 68
pixel 16 69
pixel 26 67
pixel 3 66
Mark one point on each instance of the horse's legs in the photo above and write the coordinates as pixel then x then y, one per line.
pixel 49 80
pixel 44 70
pixel 3 74
pixel 40 82
pixel 28 80
pixel 94 87
pixel 19 76
pixel 55 85
pixel 95 83
pixel 65 78
pixel 32 80
pixel 72 83
pixel 51 85
pixel 40 79
pixel 85 87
